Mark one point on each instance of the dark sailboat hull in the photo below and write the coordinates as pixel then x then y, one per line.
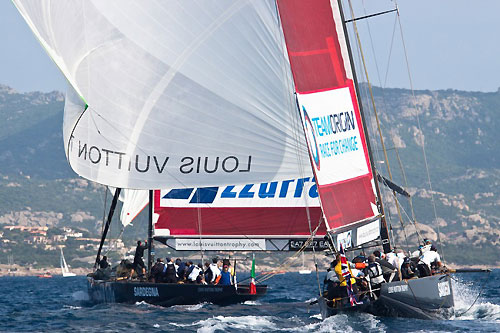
pixel 424 298
pixel 168 294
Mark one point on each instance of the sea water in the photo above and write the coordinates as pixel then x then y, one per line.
pixel 30 304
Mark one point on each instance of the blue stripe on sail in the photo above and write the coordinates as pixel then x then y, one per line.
pixel 204 195
pixel 181 193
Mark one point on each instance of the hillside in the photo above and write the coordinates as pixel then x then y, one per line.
pixel 37 187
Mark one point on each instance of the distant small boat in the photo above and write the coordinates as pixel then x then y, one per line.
pixel 303 270
pixel 45 275
pixel 64 267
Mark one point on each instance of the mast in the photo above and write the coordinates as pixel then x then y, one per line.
pixel 384 232
pixel 150 232
pixel 108 222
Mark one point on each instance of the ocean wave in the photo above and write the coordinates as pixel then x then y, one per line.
pixel 470 304
pixel 80 296
pixel 487 310
pixel 194 307
pixel 361 322
pixel 243 323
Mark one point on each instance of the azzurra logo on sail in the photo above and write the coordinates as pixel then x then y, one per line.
pixel 283 189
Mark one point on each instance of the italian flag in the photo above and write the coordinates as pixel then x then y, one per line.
pixel 253 289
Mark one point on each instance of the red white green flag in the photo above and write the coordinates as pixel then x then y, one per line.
pixel 253 289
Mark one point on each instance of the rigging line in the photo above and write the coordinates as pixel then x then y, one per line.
pixel 402 169
pixel 368 16
pixel 414 99
pixel 403 228
pixel 198 222
pixel 104 208
pixel 112 245
pixel 419 236
pixel 293 258
pixel 308 211
pixel 372 44
pixel 383 98
pixel 410 200
pixel 358 39
pixel 391 48
pixel 384 103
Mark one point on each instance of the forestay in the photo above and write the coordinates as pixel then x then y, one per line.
pixel 323 76
pixel 171 94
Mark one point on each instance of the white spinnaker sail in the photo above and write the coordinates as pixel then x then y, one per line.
pixel 179 93
pixel 133 202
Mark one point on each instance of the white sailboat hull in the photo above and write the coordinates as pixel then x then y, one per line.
pixel 68 274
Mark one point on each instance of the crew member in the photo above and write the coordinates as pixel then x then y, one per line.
pixel 103 263
pixel 332 283
pixel 169 271
pixel 195 272
pixel 427 260
pixel 388 269
pixel 375 274
pixel 157 270
pixel 408 269
pixel 343 282
pixel 215 271
pixel 189 270
pixel 138 261
pixel 225 276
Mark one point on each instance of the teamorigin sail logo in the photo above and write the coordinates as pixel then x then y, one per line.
pixel 311 138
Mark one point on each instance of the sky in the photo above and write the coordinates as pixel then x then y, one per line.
pixel 451 44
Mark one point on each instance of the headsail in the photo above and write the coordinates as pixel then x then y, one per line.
pixel 328 104
pixel 266 216
pixel 170 94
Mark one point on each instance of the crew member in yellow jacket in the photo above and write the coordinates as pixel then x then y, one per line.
pixel 338 270
pixel 343 284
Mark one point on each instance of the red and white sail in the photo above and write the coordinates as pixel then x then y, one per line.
pixel 326 93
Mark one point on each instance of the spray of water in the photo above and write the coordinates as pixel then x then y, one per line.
pixel 80 296
pixel 467 304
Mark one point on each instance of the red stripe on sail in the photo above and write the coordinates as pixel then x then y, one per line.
pixel 239 221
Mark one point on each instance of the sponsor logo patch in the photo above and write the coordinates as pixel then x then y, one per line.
pixel 444 289
pixel 397 289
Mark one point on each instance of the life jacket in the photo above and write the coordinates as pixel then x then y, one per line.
pixel 157 268
pixel 208 275
pixel 338 270
pixel 194 273
pixel 169 270
pixel 375 273
pixel 225 278
pixel 181 270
